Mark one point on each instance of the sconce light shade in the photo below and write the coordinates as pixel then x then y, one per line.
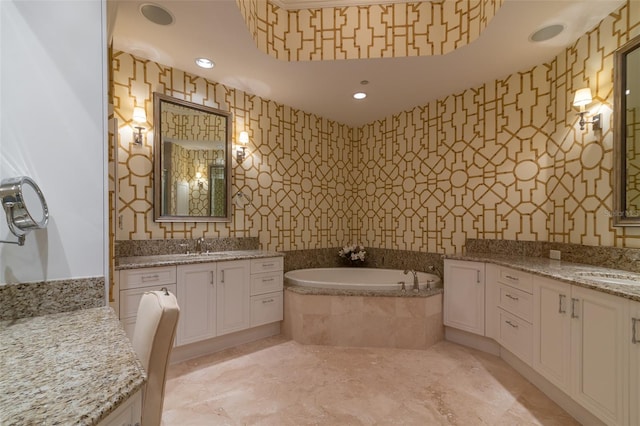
pixel 243 138
pixel 139 115
pixel 582 97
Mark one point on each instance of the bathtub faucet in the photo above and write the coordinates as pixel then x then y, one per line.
pixel 416 286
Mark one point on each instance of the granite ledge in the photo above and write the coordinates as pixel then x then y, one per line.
pixel 135 262
pixel 67 368
pixel 316 291
pixel 572 273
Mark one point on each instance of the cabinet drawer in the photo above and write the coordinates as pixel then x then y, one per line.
pixel 516 302
pixel 129 299
pixel 268 264
pixel 514 278
pixel 516 335
pixel 146 277
pixel 266 308
pixel 266 283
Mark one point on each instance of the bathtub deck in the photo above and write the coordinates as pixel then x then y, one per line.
pixel 330 317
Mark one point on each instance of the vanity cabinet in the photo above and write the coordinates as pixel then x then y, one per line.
pixel 232 296
pixel 267 284
pixel 134 283
pixel 634 362
pixel 216 298
pixel 581 346
pixel 197 300
pixel 464 302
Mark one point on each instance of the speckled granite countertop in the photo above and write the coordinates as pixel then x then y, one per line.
pixel 68 368
pixel 184 259
pixel 572 273
pixel 375 293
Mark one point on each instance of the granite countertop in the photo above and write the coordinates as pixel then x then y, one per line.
pixel 572 273
pixel 134 262
pixel 68 368
pixel 316 291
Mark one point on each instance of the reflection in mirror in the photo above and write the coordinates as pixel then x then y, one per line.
pixel 626 210
pixel 192 149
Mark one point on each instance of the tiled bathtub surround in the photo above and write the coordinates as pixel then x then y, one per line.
pixel 627 259
pixel 392 322
pixel 376 258
pixel 49 297
pixel 129 248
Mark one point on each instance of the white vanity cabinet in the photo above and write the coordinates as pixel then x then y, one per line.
pixel 232 296
pixel 129 413
pixel 216 298
pixel 197 300
pixel 634 362
pixel 134 283
pixel 509 311
pixel 464 303
pixel 267 284
pixel 581 346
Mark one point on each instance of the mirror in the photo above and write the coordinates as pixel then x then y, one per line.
pixel 192 158
pixel 626 202
pixel 24 205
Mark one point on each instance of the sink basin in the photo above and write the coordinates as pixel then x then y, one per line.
pixel 608 278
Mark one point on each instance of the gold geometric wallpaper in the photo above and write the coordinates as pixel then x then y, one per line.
pixel 369 31
pixel 504 160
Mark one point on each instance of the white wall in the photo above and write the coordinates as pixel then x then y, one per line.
pixel 53 129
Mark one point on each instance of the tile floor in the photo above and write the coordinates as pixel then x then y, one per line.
pixel 280 382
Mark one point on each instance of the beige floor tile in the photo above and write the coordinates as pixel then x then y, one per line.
pixel 280 382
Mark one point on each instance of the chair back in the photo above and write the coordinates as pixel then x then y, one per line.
pixel 153 338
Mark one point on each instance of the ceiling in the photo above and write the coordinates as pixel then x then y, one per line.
pixel 216 29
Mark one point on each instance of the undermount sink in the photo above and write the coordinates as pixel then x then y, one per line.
pixel 609 278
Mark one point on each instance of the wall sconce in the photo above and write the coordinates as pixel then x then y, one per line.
pixel 241 150
pixel 581 99
pixel 139 116
pixel 199 179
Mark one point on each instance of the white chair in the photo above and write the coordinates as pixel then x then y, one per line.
pixel 153 336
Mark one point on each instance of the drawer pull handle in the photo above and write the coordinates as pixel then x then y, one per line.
pixel 267 280
pixel 511 324
pixel 574 311
pixel 511 297
pixel 634 339
pixel 561 298
pixel 153 277
pixel 267 265
pixel 512 278
pixel 267 301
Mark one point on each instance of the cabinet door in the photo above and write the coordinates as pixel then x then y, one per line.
pixel 600 353
pixel 552 331
pixel 234 283
pixel 197 301
pixel 464 295
pixel 634 338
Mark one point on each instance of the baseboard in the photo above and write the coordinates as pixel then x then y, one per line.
pixel 553 392
pixel 194 350
pixel 471 340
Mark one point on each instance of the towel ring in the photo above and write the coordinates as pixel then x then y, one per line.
pixel 24 205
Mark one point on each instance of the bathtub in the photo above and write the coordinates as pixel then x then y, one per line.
pixel 359 278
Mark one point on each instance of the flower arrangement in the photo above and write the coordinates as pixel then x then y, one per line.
pixel 354 254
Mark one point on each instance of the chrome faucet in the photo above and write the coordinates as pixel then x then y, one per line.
pixel 416 286
pixel 199 243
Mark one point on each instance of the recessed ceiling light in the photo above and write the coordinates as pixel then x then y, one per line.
pixel 156 14
pixel 359 95
pixel 546 33
pixel 204 63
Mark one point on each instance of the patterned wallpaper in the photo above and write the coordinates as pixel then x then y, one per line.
pixel 396 30
pixel 502 160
